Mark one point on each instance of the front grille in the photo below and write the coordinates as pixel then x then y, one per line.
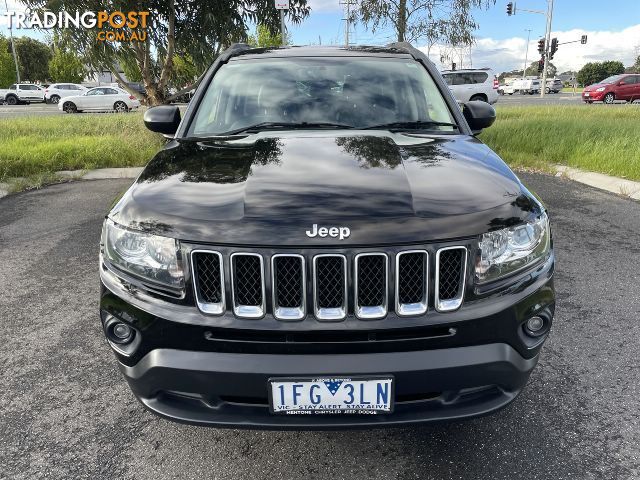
pixel 412 287
pixel 330 287
pixel 288 282
pixel 339 284
pixel 208 281
pixel 450 273
pixel 247 285
pixel 371 281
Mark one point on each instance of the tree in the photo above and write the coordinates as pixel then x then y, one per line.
pixel 594 72
pixel 635 68
pixel 185 73
pixel 434 21
pixel 532 70
pixel 198 28
pixel 263 37
pixel 33 59
pixel 7 67
pixel 65 66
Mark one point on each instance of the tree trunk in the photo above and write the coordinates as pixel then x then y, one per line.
pixel 402 20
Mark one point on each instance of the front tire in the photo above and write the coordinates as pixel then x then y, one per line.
pixel 609 98
pixel 120 107
pixel 70 107
pixel 55 99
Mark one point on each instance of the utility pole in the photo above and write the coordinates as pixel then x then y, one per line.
pixel 526 54
pixel 281 5
pixel 13 47
pixel 547 45
pixel 347 20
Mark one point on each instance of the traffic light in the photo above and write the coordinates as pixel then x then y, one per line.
pixel 583 40
pixel 541 46
pixel 510 9
pixel 541 65
pixel 553 48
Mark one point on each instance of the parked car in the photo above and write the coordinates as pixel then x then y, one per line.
pixel 554 85
pixel 22 93
pixel 502 88
pixel 618 87
pixel 100 99
pixel 324 242
pixel 473 84
pixel 526 86
pixel 53 93
pixel 136 87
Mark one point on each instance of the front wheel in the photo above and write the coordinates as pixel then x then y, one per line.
pixel 70 107
pixel 55 99
pixel 609 98
pixel 120 107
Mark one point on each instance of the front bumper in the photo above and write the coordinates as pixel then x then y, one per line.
pixel 230 390
pixel 452 365
pixel 593 96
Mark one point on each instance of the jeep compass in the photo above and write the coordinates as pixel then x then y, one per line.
pixel 322 243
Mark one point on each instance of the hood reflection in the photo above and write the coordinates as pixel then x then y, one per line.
pixel 272 189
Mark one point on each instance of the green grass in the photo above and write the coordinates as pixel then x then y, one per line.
pixel 37 146
pixel 570 90
pixel 596 138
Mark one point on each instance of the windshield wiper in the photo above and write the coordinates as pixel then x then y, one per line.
pixel 414 125
pixel 284 125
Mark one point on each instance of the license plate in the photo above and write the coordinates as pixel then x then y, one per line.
pixel 586 95
pixel 340 395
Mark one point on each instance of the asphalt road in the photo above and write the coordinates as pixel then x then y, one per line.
pixel 65 412
pixel 551 99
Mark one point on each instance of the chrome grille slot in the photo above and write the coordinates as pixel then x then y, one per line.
pixel 208 281
pixel 330 287
pixel 451 269
pixel 371 277
pixel 247 285
pixel 412 273
pixel 288 284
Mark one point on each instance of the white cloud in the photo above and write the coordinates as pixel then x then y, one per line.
pixel 505 55
pixel 325 5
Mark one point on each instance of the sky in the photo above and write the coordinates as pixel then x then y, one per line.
pixel 613 33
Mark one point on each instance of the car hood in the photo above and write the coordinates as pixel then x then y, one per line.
pixel 269 190
pixel 597 85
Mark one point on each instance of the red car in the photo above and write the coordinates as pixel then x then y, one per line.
pixel 619 87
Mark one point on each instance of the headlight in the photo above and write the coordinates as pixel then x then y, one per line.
pixel 506 251
pixel 150 257
pixel 601 89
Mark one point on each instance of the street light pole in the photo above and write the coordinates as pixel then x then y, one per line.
pixel 526 54
pixel 13 47
pixel 547 45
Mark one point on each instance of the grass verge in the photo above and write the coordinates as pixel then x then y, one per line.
pixel 35 147
pixel 596 138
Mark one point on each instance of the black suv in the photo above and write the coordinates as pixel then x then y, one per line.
pixel 324 243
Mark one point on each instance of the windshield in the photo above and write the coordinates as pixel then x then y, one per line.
pixel 613 79
pixel 351 92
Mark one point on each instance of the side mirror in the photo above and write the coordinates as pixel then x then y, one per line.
pixel 479 115
pixel 163 119
pixel 622 82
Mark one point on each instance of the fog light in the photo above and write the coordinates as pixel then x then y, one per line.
pixel 121 333
pixel 535 326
